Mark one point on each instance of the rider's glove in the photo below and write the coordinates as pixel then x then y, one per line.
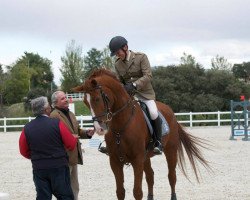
pixel 130 88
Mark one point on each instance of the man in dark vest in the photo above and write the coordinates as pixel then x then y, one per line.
pixel 43 140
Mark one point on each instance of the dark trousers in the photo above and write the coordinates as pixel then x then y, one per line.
pixel 55 182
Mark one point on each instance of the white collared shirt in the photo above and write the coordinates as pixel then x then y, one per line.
pixel 128 56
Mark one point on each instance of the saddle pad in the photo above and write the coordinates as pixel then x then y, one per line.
pixel 164 124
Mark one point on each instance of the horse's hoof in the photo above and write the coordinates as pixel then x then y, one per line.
pixel 150 197
pixel 173 196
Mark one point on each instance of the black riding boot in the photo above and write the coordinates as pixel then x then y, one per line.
pixel 157 136
pixel 103 149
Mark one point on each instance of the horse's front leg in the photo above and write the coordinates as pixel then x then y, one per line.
pixel 117 168
pixel 149 173
pixel 138 174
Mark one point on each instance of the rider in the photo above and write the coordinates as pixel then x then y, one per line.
pixel 134 71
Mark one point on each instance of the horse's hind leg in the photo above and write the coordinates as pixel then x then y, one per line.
pixel 149 173
pixel 171 156
pixel 117 169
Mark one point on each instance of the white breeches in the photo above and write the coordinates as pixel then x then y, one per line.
pixel 153 111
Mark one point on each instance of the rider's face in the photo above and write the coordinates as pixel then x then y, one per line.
pixel 121 53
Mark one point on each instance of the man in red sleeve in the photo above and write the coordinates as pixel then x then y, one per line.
pixel 44 140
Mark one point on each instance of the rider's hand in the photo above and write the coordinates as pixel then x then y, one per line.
pixel 130 88
pixel 90 132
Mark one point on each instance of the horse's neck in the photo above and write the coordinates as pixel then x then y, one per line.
pixel 123 106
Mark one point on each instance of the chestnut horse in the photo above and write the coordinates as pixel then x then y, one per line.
pixel 120 118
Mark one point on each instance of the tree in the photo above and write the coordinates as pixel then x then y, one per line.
pixel 1 79
pixel 188 88
pixel 32 94
pixel 39 69
pixel 220 63
pixel 187 60
pixel 107 60
pixel 72 66
pixel 17 84
pixel 92 61
pixel 27 73
pixel 242 71
pixel 2 84
pixel 224 85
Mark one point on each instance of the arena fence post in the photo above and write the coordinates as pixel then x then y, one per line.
pixel 239 121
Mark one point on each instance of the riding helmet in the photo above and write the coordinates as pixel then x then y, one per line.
pixel 117 43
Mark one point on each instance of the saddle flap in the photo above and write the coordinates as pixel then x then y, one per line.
pixel 164 124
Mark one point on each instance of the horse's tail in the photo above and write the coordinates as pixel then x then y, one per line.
pixel 191 145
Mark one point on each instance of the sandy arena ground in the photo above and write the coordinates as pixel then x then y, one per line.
pixel 230 161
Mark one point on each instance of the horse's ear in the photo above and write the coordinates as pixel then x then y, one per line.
pixel 94 83
pixel 78 89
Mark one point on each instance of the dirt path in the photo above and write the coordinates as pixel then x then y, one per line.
pixel 230 161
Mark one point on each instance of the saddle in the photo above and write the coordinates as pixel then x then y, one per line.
pixel 164 124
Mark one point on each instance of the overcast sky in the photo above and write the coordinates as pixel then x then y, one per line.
pixel 162 29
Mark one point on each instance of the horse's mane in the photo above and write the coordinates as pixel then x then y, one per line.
pixel 100 72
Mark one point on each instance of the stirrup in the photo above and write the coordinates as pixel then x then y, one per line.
pixel 158 148
pixel 103 149
pixel 157 151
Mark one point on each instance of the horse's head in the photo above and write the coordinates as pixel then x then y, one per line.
pixel 99 95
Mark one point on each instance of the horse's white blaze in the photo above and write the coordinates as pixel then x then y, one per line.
pixel 98 128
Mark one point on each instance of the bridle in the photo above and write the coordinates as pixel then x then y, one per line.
pixel 108 113
pixel 109 116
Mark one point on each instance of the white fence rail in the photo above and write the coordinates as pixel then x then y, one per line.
pixel 187 119
pixel 75 96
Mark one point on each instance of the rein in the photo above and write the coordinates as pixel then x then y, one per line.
pixel 109 116
pixel 118 134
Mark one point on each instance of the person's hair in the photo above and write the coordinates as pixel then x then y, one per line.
pixel 39 105
pixel 54 98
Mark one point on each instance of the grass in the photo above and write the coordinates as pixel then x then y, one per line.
pixel 17 110
pixel 81 108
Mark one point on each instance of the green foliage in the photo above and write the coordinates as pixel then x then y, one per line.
pixel 188 60
pixel 39 68
pixel 242 71
pixel 96 59
pixel 32 94
pixel 17 84
pixel 3 78
pixel 30 71
pixel 190 88
pixel 107 60
pixel 72 67
pixel 92 61
pixel 81 108
pixel 16 110
pixel 220 63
